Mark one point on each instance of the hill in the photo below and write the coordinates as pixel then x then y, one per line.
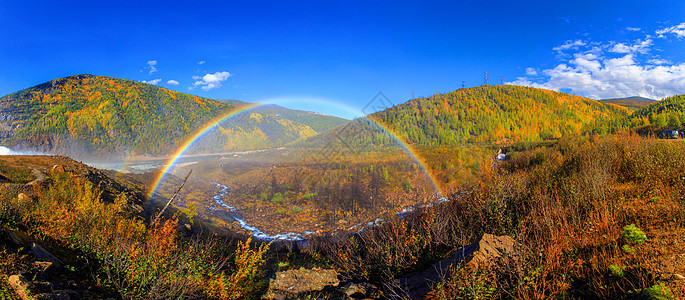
pixel 87 115
pixel 497 114
pixel 485 114
pixel 263 127
pixel 632 103
pixel 669 113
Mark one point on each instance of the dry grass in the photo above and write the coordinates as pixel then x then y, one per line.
pixel 567 204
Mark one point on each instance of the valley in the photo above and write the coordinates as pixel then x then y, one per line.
pixel 373 199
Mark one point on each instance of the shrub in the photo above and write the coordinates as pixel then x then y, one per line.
pixel 142 261
pixel 246 279
pixel 616 270
pixel 633 234
pixel 628 249
pixel 277 198
pixel 658 292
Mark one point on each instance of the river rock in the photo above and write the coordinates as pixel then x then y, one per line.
pixel 292 282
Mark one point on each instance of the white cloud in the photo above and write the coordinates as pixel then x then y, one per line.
pixel 633 28
pixel 152 64
pixel 172 82
pixel 153 82
pixel 211 81
pixel 202 62
pixel 659 61
pixel 639 46
pixel 569 45
pixel 678 30
pixel 620 48
pixel 531 72
pixel 610 70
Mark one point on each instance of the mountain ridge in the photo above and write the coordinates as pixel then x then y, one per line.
pixel 496 114
pixel 98 116
pixel 633 103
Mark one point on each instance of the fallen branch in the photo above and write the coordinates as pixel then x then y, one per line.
pixel 172 197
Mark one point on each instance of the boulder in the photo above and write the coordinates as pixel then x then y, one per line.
pixel 293 282
pixel 362 290
pixel 57 168
pixel 488 250
pixel 14 237
pixel 23 198
pixel 673 277
pixel 54 295
pixel 43 268
pixel 21 286
pixel 42 254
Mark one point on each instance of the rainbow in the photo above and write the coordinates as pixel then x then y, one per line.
pixel 215 122
pixel 193 138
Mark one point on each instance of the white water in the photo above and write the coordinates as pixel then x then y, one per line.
pixel 290 236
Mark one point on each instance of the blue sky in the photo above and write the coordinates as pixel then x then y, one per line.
pixel 307 52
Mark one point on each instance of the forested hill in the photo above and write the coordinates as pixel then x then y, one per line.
pixel 87 115
pixel 667 114
pixel 632 103
pixel 504 113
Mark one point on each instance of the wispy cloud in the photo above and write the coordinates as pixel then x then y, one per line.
pixel 172 82
pixel 569 45
pixel 633 28
pixel 678 30
pixel 202 62
pixel 153 81
pixel 612 69
pixel 152 64
pixel 211 81
pixel 659 61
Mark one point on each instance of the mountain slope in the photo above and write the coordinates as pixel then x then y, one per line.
pixel 87 115
pixel 485 114
pixel 264 127
pixel 498 114
pixel 632 103
pixel 669 113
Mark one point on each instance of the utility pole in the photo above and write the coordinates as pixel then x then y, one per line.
pixel 486 77
pixel 502 80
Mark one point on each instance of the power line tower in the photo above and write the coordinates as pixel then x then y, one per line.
pixel 486 77
pixel 412 94
pixel 463 84
pixel 502 80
